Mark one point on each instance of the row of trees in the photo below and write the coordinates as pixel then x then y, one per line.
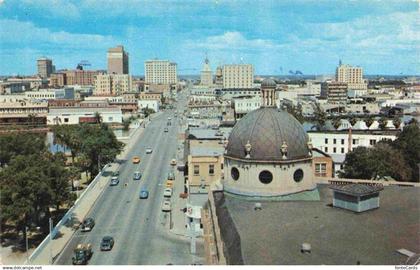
pixel 91 146
pixel 33 180
pixel 399 159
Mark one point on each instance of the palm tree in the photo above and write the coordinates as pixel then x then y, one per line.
pixel 98 118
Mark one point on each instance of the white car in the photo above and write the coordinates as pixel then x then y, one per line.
pixel 149 150
pixel 166 206
pixel 167 192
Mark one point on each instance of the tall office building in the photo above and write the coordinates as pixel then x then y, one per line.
pixel 160 72
pixel 45 67
pixel 238 76
pixel 353 76
pixel 206 74
pixel 117 60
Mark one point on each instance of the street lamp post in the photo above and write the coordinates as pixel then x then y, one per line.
pixel 27 244
pixel 51 238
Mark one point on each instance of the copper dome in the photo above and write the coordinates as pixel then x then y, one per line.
pixel 262 134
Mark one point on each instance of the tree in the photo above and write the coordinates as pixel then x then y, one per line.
pixel 369 121
pixel 353 121
pixel 382 123
pixel 98 118
pixel 320 116
pixel 396 121
pixel 15 144
pixel 358 164
pixel 375 163
pixel 148 111
pixel 296 111
pixel 69 136
pixel 408 142
pixel 336 123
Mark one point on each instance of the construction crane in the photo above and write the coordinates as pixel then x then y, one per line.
pixel 83 63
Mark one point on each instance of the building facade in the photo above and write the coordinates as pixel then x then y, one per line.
pixel 352 76
pixel 238 76
pixel 112 84
pixel 334 92
pixel 117 60
pixel 76 115
pixel 160 72
pixel 206 74
pixel 45 67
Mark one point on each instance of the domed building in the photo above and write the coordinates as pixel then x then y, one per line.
pixel 268 152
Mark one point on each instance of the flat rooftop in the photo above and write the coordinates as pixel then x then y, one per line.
pixel 274 235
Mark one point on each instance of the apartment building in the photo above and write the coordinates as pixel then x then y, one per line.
pixel 334 92
pixel 352 76
pixel 45 67
pixel 112 84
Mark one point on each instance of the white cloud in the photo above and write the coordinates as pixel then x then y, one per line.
pixel 18 32
pixel 231 41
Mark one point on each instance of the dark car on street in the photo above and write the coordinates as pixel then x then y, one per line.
pixel 88 224
pixel 114 182
pixel 107 243
pixel 144 194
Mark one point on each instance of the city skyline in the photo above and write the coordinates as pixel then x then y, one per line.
pixel 309 36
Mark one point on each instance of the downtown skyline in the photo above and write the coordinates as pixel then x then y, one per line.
pixel 274 36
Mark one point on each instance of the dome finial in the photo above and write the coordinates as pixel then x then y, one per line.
pixel 284 150
pixel 248 148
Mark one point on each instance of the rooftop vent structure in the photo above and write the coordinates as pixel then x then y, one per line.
pixel 306 248
pixel 356 197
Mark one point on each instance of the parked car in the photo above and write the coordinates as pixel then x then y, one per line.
pixel 173 162
pixel 149 150
pixel 116 174
pixel 136 160
pixel 166 129
pixel 137 176
pixel 114 182
pixel 171 176
pixel 166 206
pixel 107 243
pixel 87 224
pixel 167 192
pixel 169 184
pixel 144 193
pixel 82 254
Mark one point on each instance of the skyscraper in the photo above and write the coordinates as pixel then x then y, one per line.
pixel 160 72
pixel 45 67
pixel 206 74
pixel 353 76
pixel 238 76
pixel 117 60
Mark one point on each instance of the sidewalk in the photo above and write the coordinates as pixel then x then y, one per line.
pixel 66 231
pixel 179 220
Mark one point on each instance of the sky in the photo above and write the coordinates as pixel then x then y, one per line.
pixel 276 36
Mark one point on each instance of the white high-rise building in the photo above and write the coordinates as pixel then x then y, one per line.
pixel 160 72
pixel 238 76
pixel 353 76
pixel 206 74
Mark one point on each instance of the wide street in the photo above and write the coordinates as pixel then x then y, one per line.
pixel 139 227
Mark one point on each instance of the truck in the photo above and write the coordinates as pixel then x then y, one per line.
pixel 82 254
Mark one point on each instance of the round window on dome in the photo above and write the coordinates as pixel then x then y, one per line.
pixel 234 172
pixel 266 177
pixel 298 175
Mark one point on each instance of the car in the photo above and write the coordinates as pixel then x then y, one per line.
pixel 114 181
pixel 167 192
pixel 169 184
pixel 144 193
pixel 107 243
pixel 171 176
pixel 116 174
pixel 88 224
pixel 137 176
pixel 166 206
pixel 136 160
pixel 173 162
pixel 166 129
pixel 149 150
